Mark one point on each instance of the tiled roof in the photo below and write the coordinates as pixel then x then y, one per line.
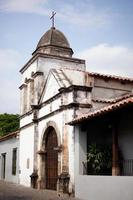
pixel 107 76
pixel 10 135
pixel 102 111
pixel 113 100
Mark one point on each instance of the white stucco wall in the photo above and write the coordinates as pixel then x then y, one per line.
pixel 104 187
pixel 112 84
pixel 27 73
pixel 26 154
pixel 107 93
pixel 26 120
pixel 45 64
pixel 71 156
pixel 51 88
pixel 7 147
pixel 99 187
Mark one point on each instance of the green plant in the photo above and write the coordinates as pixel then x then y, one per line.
pixel 99 159
pixel 8 123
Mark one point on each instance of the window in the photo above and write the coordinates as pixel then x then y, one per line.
pixel 14 161
pixel 28 163
pixel 3 165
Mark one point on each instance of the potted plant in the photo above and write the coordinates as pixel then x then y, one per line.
pixel 99 159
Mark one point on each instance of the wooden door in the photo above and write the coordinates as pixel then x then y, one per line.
pixel 51 160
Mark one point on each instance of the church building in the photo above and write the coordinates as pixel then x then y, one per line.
pixel 63 110
pixel 53 91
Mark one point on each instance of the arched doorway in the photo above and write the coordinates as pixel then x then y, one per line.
pixel 51 162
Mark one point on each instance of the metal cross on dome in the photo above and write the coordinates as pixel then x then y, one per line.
pixel 52 18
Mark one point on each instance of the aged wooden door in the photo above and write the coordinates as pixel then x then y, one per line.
pixel 51 160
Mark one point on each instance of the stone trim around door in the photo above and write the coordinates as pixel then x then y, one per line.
pixel 42 153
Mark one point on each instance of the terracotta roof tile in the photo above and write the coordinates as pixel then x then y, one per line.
pixel 103 110
pixel 113 100
pixel 8 136
pixel 120 78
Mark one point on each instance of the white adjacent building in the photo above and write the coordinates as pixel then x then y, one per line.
pixel 9 157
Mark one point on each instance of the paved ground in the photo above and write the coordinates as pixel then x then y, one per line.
pixel 10 191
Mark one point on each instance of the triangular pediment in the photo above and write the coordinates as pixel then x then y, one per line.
pixel 61 78
pixel 51 88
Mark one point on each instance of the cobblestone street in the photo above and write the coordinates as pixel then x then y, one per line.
pixel 10 191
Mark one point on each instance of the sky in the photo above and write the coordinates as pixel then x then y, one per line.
pixel 99 31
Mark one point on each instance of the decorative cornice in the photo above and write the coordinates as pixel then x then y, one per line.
pixel 50 114
pixel 61 108
pixel 35 56
pixel 76 60
pixel 50 100
pixel 61 90
pixel 28 64
pixel 29 80
pixel 52 47
pixel 38 73
pixel 27 125
pixel 22 86
pixel 75 87
pixel 35 107
pixel 76 105
pixel 26 114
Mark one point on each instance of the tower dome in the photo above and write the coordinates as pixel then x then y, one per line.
pixel 54 42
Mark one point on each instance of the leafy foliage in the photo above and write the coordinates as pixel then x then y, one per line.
pixel 99 158
pixel 8 123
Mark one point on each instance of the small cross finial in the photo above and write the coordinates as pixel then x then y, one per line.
pixel 52 18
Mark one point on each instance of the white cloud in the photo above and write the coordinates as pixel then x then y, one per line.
pixel 9 100
pixel 8 59
pixel 85 14
pixel 26 6
pixel 9 66
pixel 108 59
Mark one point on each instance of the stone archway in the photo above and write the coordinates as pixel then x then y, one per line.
pixel 49 155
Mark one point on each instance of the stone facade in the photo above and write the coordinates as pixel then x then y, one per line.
pixel 50 95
